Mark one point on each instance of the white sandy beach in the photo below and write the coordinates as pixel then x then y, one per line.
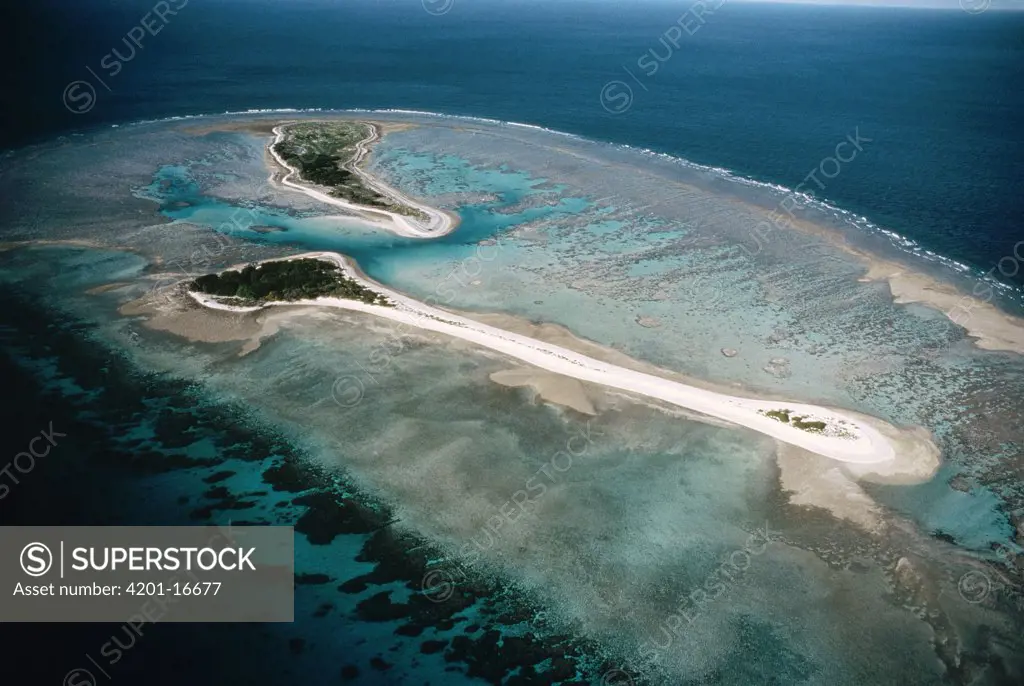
pixel 438 222
pixel 863 443
pixel 992 328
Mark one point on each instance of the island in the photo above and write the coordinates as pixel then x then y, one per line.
pixel 285 281
pixel 324 158
pixel 327 279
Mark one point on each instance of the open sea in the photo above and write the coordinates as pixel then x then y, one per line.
pixel 762 93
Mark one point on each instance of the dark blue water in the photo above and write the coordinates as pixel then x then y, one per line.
pixel 765 91
pixel 139 448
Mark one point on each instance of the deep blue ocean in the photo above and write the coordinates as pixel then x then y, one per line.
pixel 766 92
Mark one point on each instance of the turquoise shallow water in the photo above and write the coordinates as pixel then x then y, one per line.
pixel 764 89
pixel 630 253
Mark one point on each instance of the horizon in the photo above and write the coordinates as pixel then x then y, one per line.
pixel 967 6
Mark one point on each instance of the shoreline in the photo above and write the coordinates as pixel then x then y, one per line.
pixel 865 445
pixel 989 326
pixel 439 223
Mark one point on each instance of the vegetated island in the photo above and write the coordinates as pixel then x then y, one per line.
pixel 860 441
pixel 330 153
pixel 285 280
pixel 323 152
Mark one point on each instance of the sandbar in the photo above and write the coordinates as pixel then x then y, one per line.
pixel 848 439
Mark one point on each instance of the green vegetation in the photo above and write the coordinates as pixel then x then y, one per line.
pixel 785 416
pixel 815 427
pixel 322 152
pixel 302 279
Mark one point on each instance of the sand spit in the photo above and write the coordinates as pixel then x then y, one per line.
pixel 438 222
pixel 991 328
pixel 173 312
pixel 814 481
pixel 554 388
pixel 846 438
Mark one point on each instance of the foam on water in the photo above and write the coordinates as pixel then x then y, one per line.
pixel 657 499
pixel 855 222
